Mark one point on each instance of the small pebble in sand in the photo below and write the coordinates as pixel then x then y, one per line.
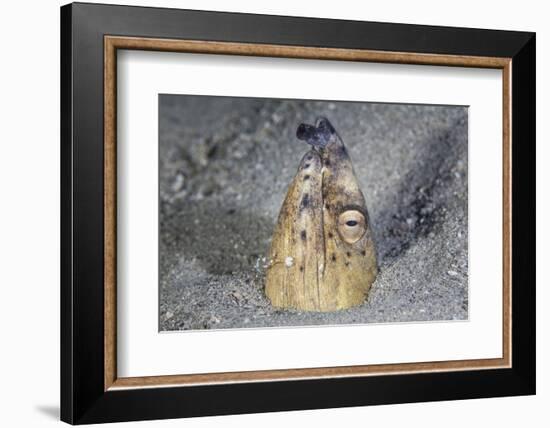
pixel 178 183
pixel 289 261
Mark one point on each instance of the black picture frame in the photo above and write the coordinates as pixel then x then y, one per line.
pixel 83 398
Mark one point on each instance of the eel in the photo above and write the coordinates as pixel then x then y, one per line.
pixel 322 256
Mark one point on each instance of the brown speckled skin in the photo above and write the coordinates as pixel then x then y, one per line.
pixel 311 268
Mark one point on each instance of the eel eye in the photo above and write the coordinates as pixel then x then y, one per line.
pixel 351 226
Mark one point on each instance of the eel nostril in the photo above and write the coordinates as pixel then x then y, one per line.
pixel 317 135
pixel 305 132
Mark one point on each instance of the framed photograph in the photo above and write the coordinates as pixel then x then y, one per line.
pixel 265 213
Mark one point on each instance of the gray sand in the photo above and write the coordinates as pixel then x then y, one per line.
pixel 225 165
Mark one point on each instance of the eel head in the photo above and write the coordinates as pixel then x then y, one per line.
pixel 322 256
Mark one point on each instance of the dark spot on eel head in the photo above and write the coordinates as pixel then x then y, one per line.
pixel 306 177
pixel 305 201
pixel 306 166
pixel 303 235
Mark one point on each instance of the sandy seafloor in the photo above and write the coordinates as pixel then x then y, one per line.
pixel 225 165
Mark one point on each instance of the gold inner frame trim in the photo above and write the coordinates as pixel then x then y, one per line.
pixel 113 43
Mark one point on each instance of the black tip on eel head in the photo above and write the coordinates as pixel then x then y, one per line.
pixel 317 135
